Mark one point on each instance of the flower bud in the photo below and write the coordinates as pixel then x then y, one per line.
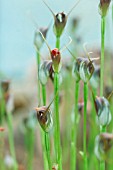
pixel 103 111
pixel 38 40
pixel 45 71
pixel 59 24
pixel 103 143
pixel 103 7
pixel 60 19
pixel 5 84
pixel 56 57
pixel 86 69
pixel 44 116
pixel 75 69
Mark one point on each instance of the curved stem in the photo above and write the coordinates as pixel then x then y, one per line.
pixel 102 56
pixel 56 122
pixel 74 130
pixel 85 125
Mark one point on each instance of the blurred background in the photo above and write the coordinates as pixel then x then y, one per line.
pixel 17 52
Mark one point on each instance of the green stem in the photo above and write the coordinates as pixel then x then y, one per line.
pixel 46 135
pixel 56 122
pixel 30 148
pixel 85 125
pixel 74 130
pixel 44 150
pixel 47 144
pixel 11 138
pixel 58 42
pixel 38 83
pixel 44 95
pixel 102 163
pixel 102 55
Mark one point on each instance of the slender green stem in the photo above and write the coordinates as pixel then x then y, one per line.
pixel 74 131
pixel 56 122
pixel 44 150
pixel 44 95
pixel 102 163
pixel 85 125
pixel 30 148
pixel 38 83
pixel 58 42
pixel 102 56
pixel 47 144
pixel 11 138
pixel 46 135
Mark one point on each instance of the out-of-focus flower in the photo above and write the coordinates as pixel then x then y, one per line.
pixel 103 111
pixel 38 40
pixel 103 143
pixel 9 162
pixel 76 69
pixel 108 91
pixel 94 81
pixel 5 85
pixel 74 24
pixel 45 71
pixel 2 129
pixel 29 122
pixel 86 69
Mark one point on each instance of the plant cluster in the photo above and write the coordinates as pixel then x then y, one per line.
pixel 85 121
